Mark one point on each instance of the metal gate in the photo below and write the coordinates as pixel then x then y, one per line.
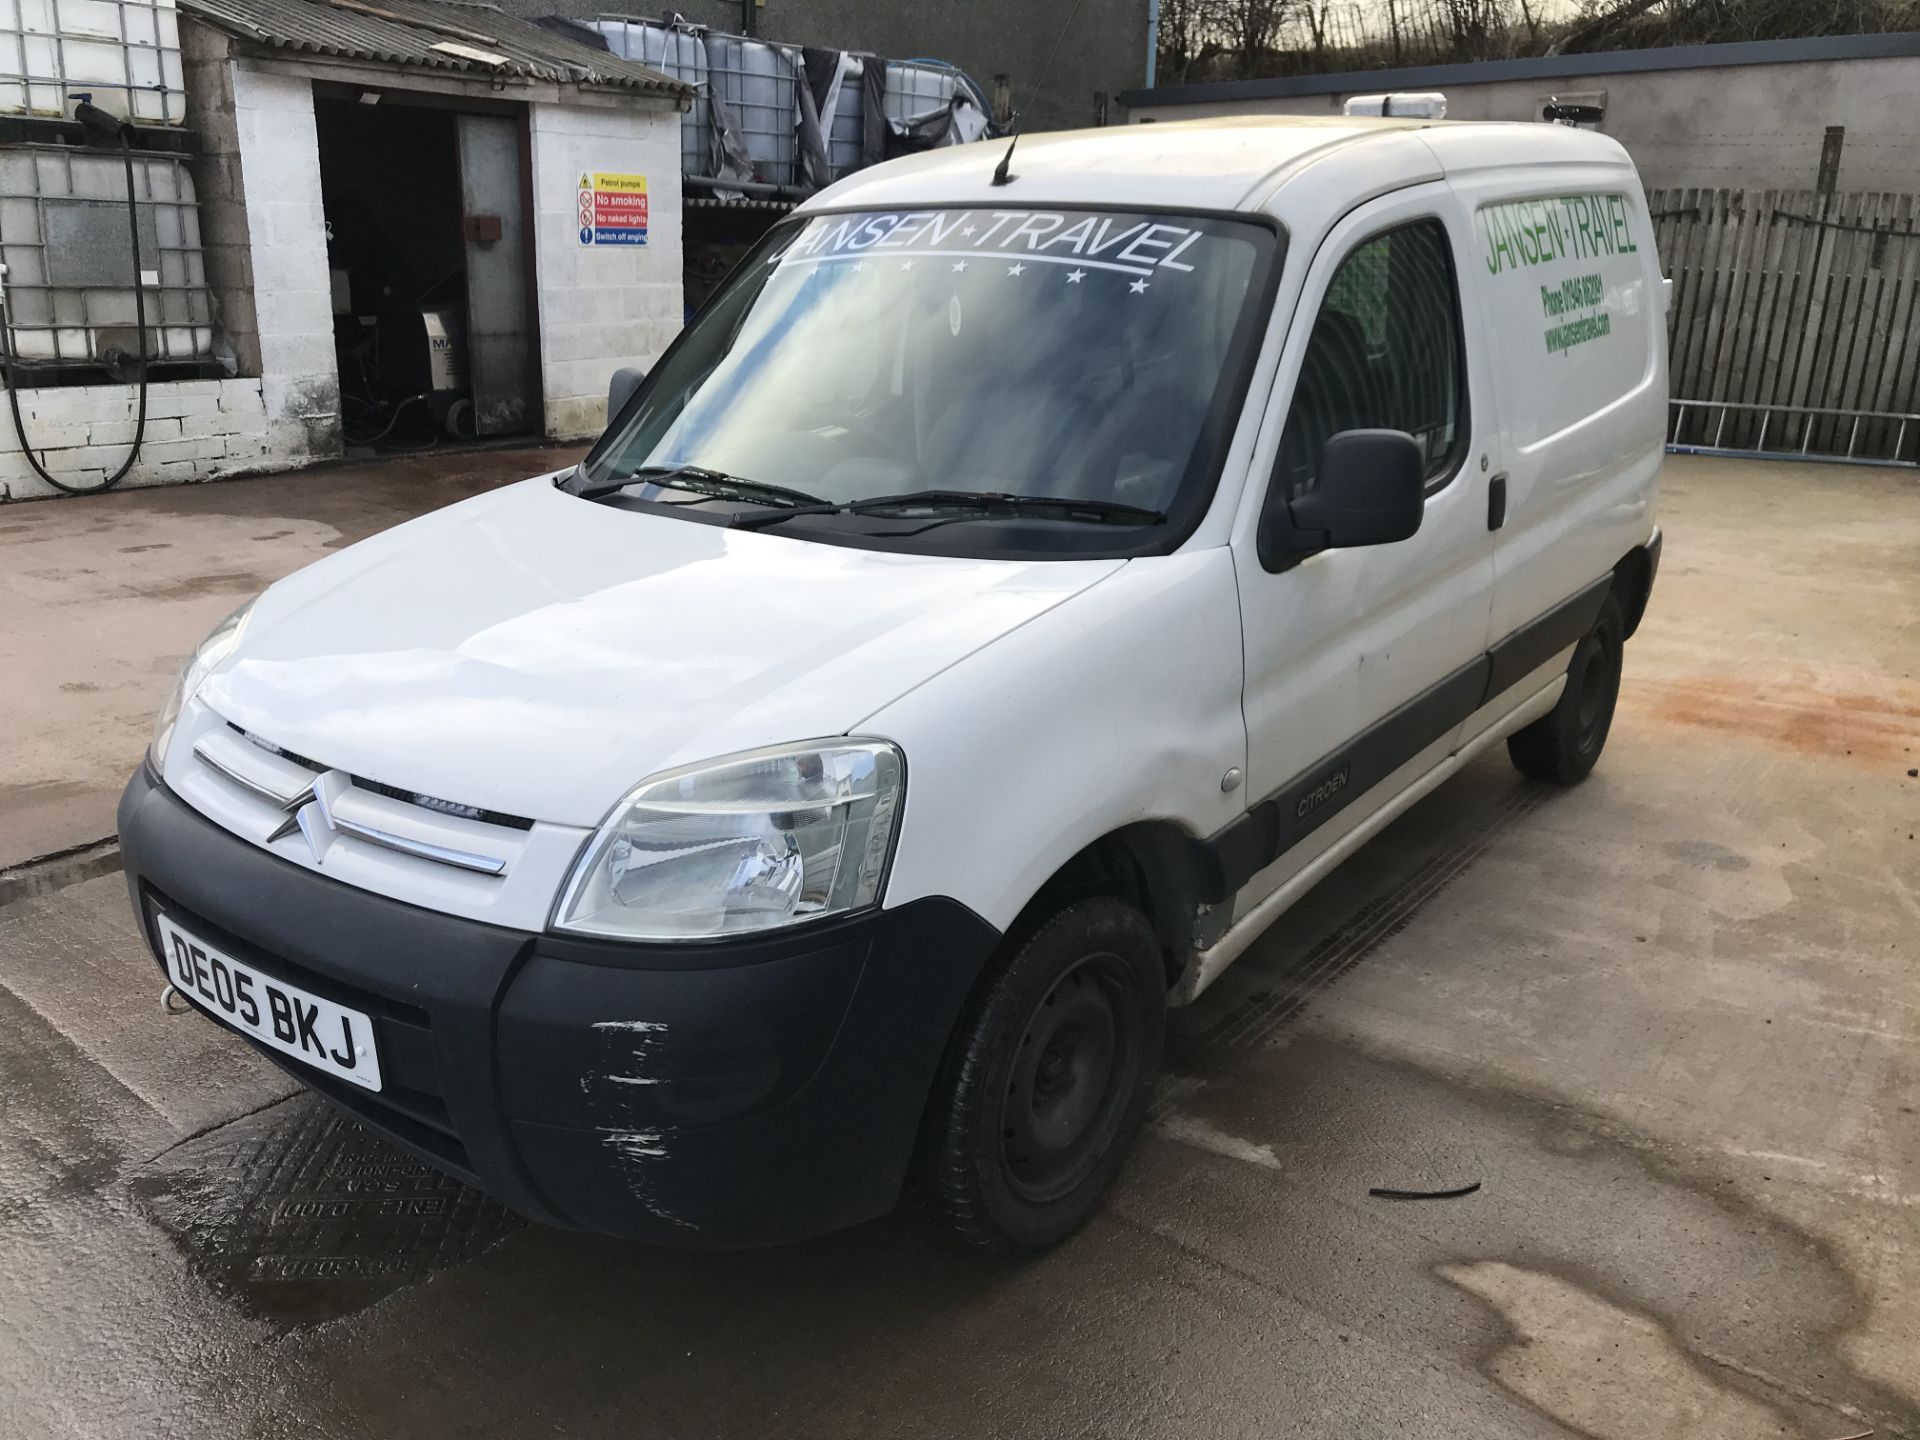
pixel 1792 322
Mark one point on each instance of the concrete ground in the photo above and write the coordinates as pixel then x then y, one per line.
pixel 1669 1020
pixel 102 597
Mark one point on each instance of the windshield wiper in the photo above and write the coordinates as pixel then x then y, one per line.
pixel 958 503
pixel 703 481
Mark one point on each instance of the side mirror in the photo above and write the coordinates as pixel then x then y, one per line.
pixel 620 390
pixel 1370 489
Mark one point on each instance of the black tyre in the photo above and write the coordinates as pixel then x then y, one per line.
pixel 1049 1075
pixel 1563 744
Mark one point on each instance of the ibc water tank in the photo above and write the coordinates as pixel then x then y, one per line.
pixel 69 278
pixel 673 50
pixel 914 90
pixel 126 53
pixel 760 85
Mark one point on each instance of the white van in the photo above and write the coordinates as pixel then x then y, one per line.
pixel 1002 602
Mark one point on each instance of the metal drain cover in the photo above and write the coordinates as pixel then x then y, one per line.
pixel 298 1215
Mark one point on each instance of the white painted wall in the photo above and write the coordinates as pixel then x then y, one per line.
pixel 602 306
pixel 196 429
pixel 287 232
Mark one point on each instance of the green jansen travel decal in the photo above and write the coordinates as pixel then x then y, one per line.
pixel 1522 234
pixel 1562 227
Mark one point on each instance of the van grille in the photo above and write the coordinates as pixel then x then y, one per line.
pixel 291 797
pixel 396 792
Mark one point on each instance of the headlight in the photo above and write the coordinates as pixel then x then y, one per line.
pixel 751 842
pixel 215 648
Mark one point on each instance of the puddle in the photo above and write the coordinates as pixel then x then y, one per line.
pixel 297 1215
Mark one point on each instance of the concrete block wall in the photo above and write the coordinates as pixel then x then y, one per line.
pixel 196 429
pixel 287 235
pixel 602 306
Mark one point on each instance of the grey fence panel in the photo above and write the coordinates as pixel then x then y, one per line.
pixel 1792 322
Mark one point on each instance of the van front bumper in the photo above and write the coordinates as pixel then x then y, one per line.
pixel 725 1093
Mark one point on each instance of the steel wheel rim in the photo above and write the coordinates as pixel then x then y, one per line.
pixel 1593 676
pixel 1073 1073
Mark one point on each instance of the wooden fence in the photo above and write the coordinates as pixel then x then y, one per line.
pixel 1793 321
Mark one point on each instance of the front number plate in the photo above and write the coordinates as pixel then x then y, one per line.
pixel 327 1036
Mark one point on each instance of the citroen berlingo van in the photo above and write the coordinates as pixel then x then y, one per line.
pixel 1015 589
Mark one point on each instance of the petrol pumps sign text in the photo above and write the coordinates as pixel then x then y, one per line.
pixel 613 209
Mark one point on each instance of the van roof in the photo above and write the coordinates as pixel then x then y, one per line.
pixel 1232 162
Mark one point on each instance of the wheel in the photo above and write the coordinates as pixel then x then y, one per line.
pixel 1048 1078
pixel 1563 744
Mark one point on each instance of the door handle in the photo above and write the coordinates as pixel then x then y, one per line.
pixel 1497 501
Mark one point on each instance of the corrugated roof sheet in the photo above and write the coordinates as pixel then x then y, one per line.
pixel 451 35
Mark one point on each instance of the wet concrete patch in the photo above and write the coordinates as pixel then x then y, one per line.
pixel 298 1215
pixel 1706 852
pixel 182 587
pixel 1614 1281
pixel 65 1126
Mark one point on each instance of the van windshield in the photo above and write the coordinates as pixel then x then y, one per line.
pixel 870 372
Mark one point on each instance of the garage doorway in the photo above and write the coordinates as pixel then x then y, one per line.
pixel 428 252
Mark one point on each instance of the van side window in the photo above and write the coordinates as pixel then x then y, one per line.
pixel 1386 353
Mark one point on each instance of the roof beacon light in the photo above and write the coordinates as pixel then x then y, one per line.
pixel 1422 105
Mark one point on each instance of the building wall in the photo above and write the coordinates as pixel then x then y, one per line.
pixel 601 306
pixel 1104 49
pixel 258 185
pixel 1739 126
pixel 220 186
pixel 287 232
pixel 196 429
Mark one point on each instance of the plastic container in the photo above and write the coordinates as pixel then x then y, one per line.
pixel 760 84
pixel 915 89
pixel 78 198
pixel 673 50
pixel 125 53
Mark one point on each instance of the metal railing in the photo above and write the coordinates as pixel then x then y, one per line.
pixel 1873 437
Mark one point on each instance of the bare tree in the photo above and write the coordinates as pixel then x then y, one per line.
pixel 1532 22
pixel 1472 26
pixel 1191 33
pixel 1599 22
pixel 1251 28
pixel 1317 13
pixel 1217 39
